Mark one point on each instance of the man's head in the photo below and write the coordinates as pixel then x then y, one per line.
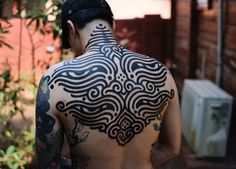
pixel 81 12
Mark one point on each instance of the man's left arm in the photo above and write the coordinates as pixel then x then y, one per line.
pixel 49 132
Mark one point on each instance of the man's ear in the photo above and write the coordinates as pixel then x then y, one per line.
pixel 71 26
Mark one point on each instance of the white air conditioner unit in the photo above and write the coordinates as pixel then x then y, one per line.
pixel 206 112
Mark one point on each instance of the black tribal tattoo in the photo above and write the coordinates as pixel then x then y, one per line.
pixel 115 91
pixel 76 135
pixel 48 143
pixel 44 122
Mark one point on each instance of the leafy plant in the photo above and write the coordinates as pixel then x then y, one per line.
pixel 18 149
pixel 8 98
pixel 41 14
pixel 12 158
pixel 20 152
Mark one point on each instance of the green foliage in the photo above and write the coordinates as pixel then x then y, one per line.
pixel 18 149
pixel 12 157
pixel 20 152
pixel 40 14
pixel 8 98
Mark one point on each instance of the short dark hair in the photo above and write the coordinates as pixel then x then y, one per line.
pixel 81 12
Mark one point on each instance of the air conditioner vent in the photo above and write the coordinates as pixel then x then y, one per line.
pixel 206 112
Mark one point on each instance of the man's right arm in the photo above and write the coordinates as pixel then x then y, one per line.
pixel 170 135
pixel 49 131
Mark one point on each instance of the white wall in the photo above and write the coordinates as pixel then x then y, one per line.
pixel 129 9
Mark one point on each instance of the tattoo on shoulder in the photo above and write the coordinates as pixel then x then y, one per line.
pixel 114 91
pixel 48 143
pixel 157 127
pixel 77 135
pixel 44 122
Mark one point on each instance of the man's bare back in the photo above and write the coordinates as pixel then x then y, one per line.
pixel 111 105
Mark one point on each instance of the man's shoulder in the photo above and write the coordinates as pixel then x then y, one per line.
pixel 149 60
pixel 143 56
pixel 158 67
pixel 53 68
pixel 44 82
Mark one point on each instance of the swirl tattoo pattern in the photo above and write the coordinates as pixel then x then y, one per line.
pixel 114 90
pixel 44 121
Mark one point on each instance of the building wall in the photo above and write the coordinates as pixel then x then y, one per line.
pixel 181 40
pixel 144 35
pixel 207 49
pixel 31 51
pixel 207 45
pixel 204 51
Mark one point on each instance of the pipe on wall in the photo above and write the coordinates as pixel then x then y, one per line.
pixel 220 47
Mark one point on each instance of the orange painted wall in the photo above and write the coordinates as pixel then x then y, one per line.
pixel 22 49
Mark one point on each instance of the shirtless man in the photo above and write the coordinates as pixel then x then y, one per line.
pixel 118 109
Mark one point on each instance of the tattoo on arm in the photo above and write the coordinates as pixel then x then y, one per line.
pixel 49 140
pixel 156 126
pixel 76 135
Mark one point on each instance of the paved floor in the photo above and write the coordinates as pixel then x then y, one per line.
pixel 187 160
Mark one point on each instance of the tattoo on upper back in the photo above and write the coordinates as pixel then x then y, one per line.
pixel 115 91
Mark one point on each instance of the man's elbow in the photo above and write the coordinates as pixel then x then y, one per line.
pixel 175 147
pixel 175 151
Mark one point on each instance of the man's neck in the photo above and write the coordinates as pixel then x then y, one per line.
pixel 96 34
